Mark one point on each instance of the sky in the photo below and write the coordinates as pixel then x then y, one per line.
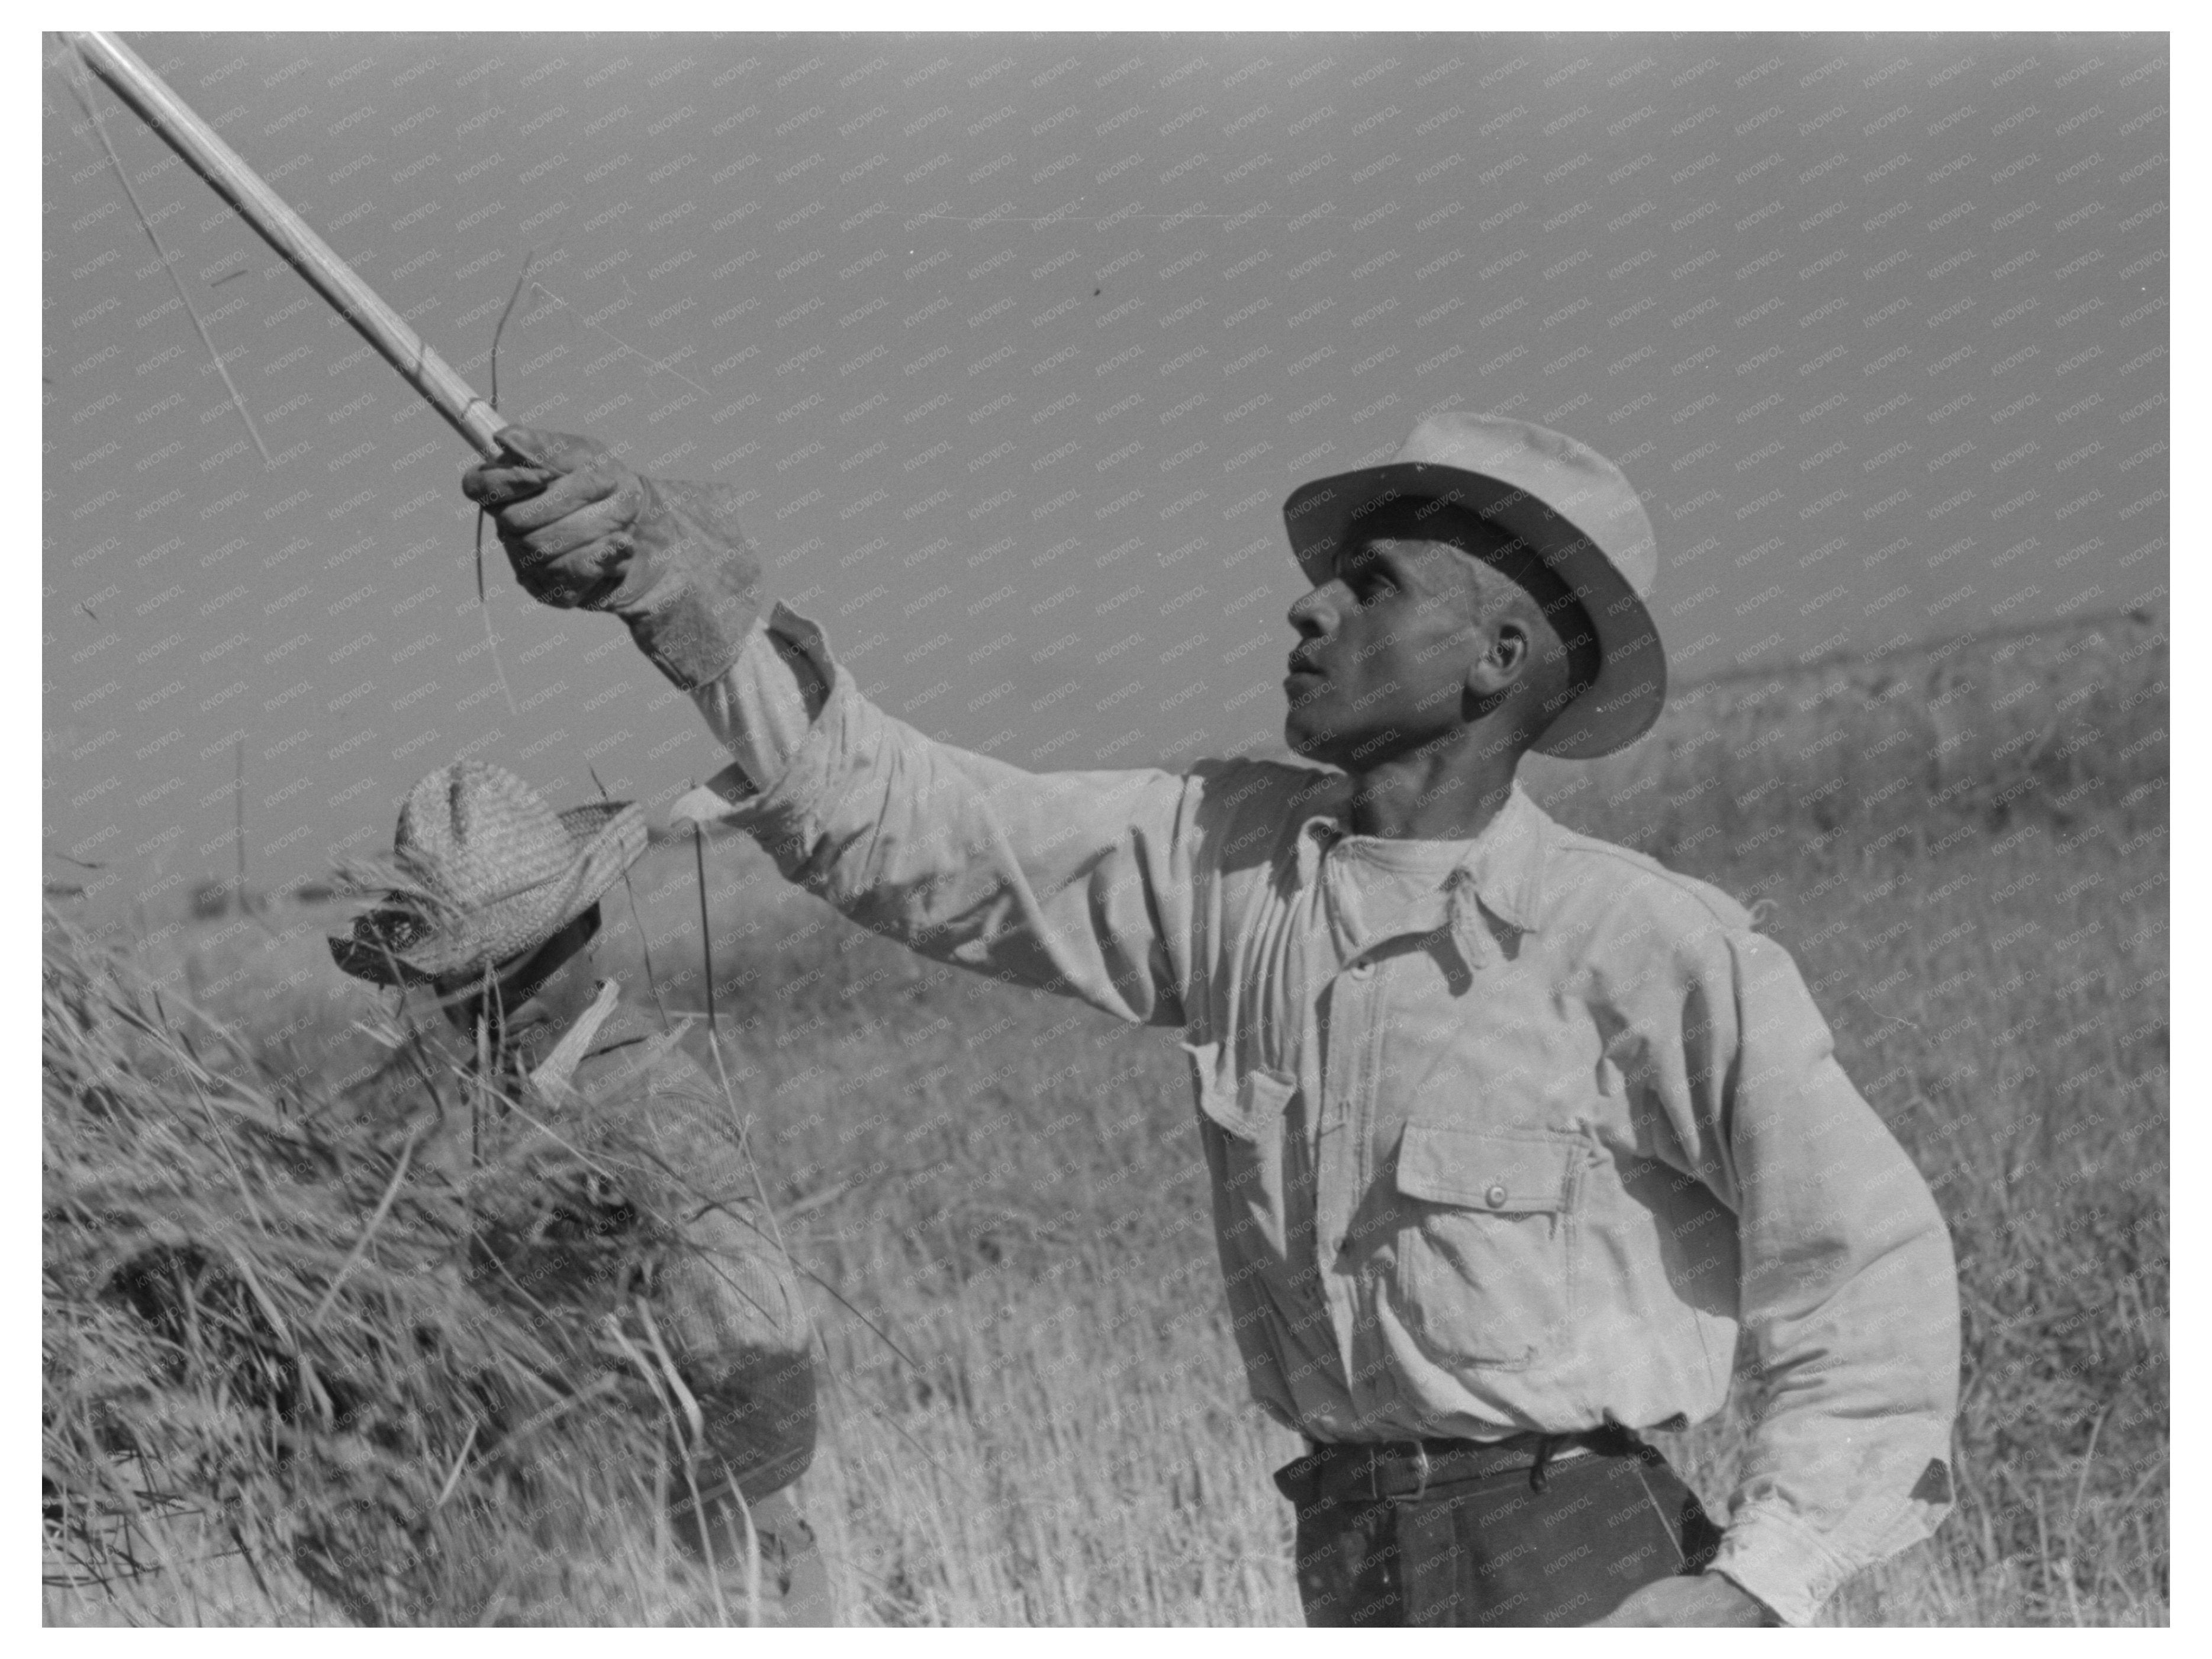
pixel 1011 347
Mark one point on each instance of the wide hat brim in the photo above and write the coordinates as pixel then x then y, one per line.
pixel 406 942
pixel 1631 689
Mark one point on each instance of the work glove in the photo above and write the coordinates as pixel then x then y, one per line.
pixel 583 530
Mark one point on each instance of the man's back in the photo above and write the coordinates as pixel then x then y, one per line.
pixel 721 1289
pixel 618 1194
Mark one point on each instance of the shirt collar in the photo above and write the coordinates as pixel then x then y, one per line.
pixel 1505 864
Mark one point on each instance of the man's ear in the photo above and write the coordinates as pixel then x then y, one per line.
pixel 1503 663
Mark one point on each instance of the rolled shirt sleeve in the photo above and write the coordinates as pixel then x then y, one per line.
pixel 1076 883
pixel 1848 1287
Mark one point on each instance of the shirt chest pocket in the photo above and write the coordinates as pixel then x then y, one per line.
pixel 1488 1244
pixel 1245 1147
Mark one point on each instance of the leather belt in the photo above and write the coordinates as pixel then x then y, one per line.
pixel 1409 1470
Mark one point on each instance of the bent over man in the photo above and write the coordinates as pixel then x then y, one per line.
pixel 651 1233
pixel 1513 1133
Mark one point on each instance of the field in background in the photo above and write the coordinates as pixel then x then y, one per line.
pixel 1036 1415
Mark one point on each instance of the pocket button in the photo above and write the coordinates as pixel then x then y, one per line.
pixel 1495 1197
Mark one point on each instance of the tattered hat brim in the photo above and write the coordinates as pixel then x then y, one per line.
pixel 400 943
pixel 1631 689
pixel 377 949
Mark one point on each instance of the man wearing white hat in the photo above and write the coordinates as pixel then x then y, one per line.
pixel 637 1178
pixel 1513 1133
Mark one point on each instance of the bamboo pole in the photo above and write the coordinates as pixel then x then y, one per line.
pixel 202 150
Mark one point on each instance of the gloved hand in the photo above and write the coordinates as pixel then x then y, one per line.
pixel 582 529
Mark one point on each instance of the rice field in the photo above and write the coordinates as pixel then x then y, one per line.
pixel 1033 1413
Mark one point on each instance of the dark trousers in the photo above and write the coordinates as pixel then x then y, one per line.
pixel 1562 1545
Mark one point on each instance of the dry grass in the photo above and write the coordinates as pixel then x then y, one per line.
pixel 1035 1415
pixel 306 1354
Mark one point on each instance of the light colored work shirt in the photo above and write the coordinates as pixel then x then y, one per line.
pixel 1520 1133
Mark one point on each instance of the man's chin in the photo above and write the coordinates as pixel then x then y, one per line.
pixel 1320 747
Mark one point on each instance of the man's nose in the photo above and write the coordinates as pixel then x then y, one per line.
pixel 1315 612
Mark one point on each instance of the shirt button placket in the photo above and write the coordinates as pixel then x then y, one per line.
pixel 1354 1061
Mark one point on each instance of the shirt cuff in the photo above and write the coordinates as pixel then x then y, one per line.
pixel 1770 1555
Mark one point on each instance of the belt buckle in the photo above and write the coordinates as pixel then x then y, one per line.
pixel 1421 1476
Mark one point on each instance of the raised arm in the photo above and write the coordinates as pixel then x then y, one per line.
pixel 1081 884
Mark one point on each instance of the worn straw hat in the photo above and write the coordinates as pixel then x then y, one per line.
pixel 1560 498
pixel 491 871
